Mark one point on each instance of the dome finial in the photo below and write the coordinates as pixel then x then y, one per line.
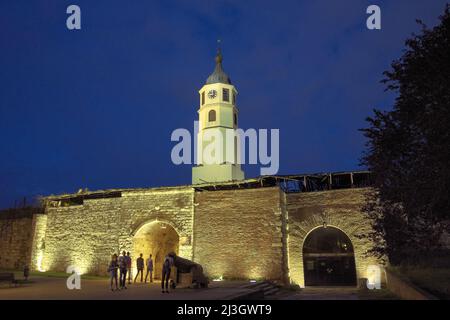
pixel 219 52
pixel 218 76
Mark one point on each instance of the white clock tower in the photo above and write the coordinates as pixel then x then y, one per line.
pixel 218 117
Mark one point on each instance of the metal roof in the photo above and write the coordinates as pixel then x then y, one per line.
pixel 218 76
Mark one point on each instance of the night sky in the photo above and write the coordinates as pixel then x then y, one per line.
pixel 95 108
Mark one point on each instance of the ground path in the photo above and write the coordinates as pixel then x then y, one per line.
pixel 54 288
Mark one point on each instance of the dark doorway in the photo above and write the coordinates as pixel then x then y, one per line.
pixel 328 258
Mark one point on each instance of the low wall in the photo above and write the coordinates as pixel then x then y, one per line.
pixel 405 289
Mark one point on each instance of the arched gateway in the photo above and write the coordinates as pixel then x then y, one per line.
pixel 328 258
pixel 156 238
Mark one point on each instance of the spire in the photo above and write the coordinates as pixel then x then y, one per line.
pixel 218 76
pixel 218 58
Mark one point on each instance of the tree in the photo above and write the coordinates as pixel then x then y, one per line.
pixel 408 149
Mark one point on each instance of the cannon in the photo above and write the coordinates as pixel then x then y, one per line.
pixel 189 273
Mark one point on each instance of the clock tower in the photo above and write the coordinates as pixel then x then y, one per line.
pixel 217 145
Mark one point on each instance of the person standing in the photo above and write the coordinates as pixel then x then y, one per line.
pixel 129 269
pixel 112 269
pixel 26 272
pixel 167 267
pixel 140 268
pixel 123 270
pixel 149 269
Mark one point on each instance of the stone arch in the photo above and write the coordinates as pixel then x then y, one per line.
pixel 348 220
pixel 158 238
pixel 326 225
pixel 328 257
pixel 140 225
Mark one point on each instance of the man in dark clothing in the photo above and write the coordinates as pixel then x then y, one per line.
pixel 129 269
pixel 123 270
pixel 167 267
pixel 140 268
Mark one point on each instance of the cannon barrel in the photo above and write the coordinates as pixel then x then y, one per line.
pixel 196 270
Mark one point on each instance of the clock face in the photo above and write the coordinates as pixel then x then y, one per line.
pixel 212 94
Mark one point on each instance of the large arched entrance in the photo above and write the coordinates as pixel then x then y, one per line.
pixel 328 258
pixel 158 239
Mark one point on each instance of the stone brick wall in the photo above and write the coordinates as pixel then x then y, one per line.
pixel 86 235
pixel 237 233
pixel 337 208
pixel 38 241
pixel 251 233
pixel 16 237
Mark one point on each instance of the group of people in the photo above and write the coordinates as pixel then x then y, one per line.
pixel 122 265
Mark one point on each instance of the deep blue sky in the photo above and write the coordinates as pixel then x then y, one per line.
pixel 95 108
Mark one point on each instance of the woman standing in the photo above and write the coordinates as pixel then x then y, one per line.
pixel 113 265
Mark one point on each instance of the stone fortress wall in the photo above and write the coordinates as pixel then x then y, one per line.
pixel 334 208
pixel 242 233
pixel 86 235
pixel 17 229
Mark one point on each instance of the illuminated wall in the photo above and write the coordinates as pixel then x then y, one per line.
pixel 38 244
pixel 248 233
pixel 237 233
pixel 86 235
pixel 16 237
pixel 337 208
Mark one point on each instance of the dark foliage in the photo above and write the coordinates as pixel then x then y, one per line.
pixel 408 149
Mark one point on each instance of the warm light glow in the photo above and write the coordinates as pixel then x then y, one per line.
pixel 40 257
pixel 373 274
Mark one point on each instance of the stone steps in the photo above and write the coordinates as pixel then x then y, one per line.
pixel 264 289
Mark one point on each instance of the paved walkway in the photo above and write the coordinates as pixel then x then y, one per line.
pixel 319 293
pixel 50 288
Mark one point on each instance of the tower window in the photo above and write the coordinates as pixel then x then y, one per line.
pixel 234 97
pixel 235 119
pixel 226 94
pixel 212 116
pixel 203 97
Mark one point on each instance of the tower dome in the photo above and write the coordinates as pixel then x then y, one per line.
pixel 218 76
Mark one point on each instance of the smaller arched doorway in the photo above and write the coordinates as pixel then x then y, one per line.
pixel 328 258
pixel 158 239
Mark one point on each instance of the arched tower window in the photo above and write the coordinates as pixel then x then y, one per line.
pixel 212 115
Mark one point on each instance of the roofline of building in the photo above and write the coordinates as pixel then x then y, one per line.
pixel 262 181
